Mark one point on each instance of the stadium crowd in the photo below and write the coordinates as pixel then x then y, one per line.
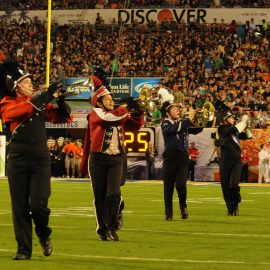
pixel 198 61
pixel 89 4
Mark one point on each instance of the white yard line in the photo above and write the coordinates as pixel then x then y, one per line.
pixel 203 233
pixel 237 235
pixel 144 259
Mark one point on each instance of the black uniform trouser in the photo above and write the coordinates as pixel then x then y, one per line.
pixel 230 173
pixel 175 164
pixel 191 169
pixel 244 173
pixel 151 169
pixel 29 171
pixel 106 173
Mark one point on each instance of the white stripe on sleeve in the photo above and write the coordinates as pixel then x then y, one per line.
pixel 107 116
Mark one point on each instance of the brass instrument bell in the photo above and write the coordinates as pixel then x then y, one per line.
pixel 204 115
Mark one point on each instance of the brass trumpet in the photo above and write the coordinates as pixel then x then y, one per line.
pixel 146 101
pixel 204 115
pixel 137 104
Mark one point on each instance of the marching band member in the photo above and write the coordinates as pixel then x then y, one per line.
pixel 25 111
pixel 104 149
pixel 245 158
pixel 175 132
pixel 230 159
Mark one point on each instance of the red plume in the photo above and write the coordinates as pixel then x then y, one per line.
pixel 96 82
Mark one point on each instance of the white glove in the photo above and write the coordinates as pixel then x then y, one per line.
pixel 241 126
pixel 245 118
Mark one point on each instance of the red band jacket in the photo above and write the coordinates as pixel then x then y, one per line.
pixel 99 133
pixel 25 121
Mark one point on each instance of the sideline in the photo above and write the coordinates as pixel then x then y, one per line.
pixel 191 183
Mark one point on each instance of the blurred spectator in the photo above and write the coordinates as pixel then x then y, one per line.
pixel 78 158
pixel 99 19
pixel 179 97
pixel 245 158
pixel 100 3
pixel 86 4
pixel 71 150
pixel 263 165
pixel 193 153
pixel 52 150
pixel 153 116
pixel 60 158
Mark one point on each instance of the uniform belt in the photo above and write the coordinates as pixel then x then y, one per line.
pixel 97 154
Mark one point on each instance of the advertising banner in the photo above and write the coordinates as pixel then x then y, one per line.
pixel 140 83
pixel 142 16
pixel 121 87
pixel 78 86
pixel 76 123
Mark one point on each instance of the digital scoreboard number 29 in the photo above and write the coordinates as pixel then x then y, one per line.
pixel 136 142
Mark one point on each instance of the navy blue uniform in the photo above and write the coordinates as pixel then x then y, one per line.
pixel 176 161
pixel 230 165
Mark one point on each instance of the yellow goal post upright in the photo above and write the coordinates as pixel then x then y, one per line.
pixel 48 47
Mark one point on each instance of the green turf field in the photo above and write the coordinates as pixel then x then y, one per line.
pixel 207 240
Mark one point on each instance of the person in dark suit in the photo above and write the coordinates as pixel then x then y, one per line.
pixel 175 132
pixel 230 164
pixel 25 111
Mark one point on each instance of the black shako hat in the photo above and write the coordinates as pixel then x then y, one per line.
pixel 166 107
pixel 227 115
pixel 11 73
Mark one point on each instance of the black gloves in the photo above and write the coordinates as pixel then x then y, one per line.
pixel 195 130
pixel 63 109
pixel 53 88
pixel 132 104
pixel 43 97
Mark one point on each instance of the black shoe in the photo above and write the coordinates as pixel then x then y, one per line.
pixel 168 218
pixel 120 221
pixel 113 235
pixel 21 257
pixel 235 212
pixel 122 206
pixel 184 213
pixel 120 216
pixel 46 246
pixel 102 237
